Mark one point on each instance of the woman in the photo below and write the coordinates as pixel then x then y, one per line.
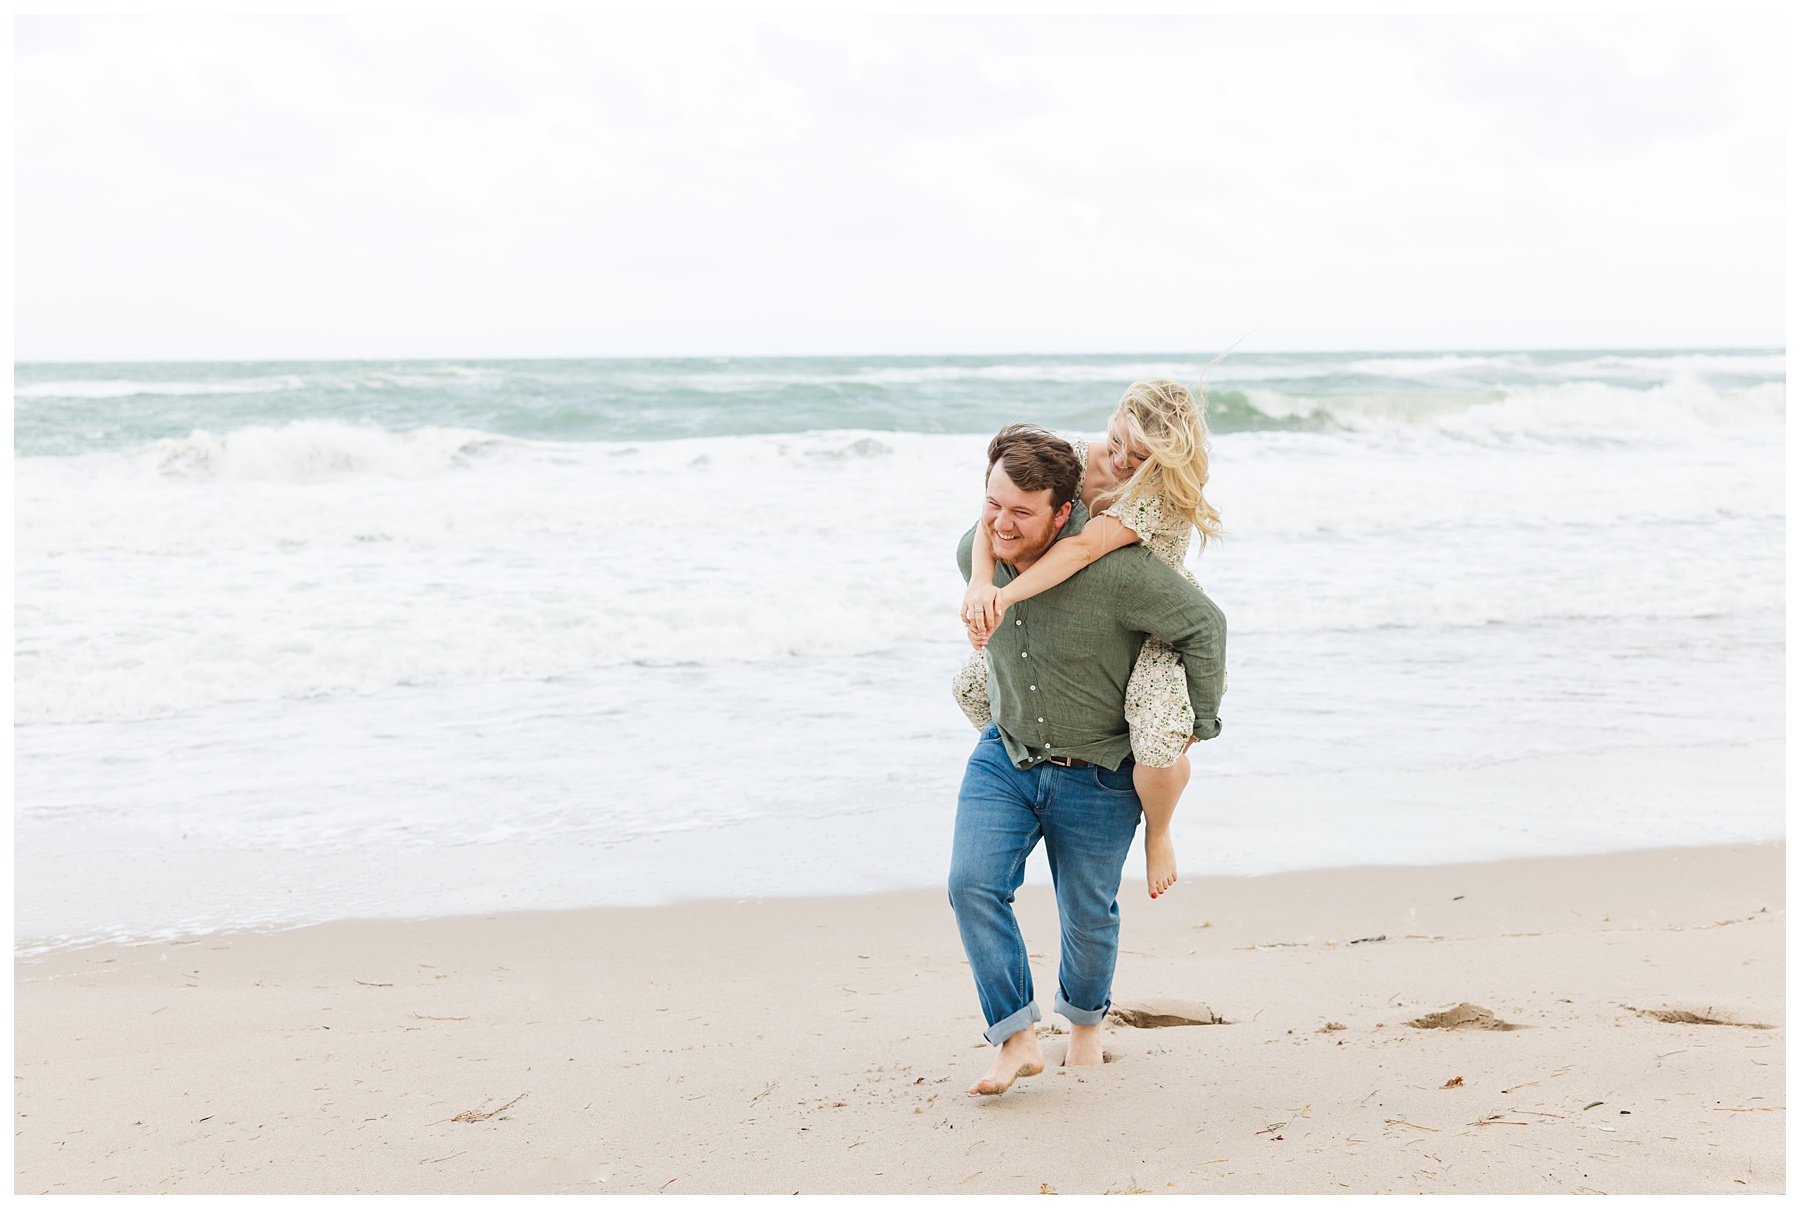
pixel 1145 483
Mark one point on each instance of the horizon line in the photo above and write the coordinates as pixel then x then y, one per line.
pixel 1365 350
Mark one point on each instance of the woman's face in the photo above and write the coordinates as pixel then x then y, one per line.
pixel 1121 452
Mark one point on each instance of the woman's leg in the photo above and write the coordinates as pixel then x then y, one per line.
pixel 1162 724
pixel 1159 789
pixel 970 688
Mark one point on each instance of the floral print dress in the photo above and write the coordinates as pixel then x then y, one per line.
pixel 1156 699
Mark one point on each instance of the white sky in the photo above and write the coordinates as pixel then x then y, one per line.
pixel 544 186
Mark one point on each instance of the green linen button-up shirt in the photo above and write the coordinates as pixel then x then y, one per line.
pixel 1059 662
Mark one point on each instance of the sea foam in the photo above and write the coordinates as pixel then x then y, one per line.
pixel 311 451
pixel 321 558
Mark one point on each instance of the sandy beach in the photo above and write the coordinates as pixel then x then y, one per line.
pixel 1624 1034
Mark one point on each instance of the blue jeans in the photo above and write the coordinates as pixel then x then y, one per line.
pixel 1086 818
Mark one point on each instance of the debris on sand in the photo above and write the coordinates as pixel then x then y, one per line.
pixel 1682 1016
pixel 1463 1015
pixel 474 1115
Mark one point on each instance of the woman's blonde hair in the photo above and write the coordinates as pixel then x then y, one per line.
pixel 1170 421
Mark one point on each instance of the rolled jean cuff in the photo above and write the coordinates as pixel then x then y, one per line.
pixel 1077 1015
pixel 1018 1022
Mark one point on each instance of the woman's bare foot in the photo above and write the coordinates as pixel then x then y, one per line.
pixel 1084 1046
pixel 1159 861
pixel 1019 1057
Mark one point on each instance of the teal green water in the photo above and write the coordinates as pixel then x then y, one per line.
pixel 76 408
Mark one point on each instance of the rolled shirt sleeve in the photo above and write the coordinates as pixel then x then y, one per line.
pixel 1162 603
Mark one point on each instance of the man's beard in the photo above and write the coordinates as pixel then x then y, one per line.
pixel 1025 553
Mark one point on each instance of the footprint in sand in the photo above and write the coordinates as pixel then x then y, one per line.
pixel 1163 1013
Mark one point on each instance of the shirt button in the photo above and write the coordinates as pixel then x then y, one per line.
pixel 1016 621
pixel 1040 719
pixel 1034 688
pixel 1024 654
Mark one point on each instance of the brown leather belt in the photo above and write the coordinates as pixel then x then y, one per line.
pixel 1066 761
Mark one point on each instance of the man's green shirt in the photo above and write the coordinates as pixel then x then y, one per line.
pixel 1060 661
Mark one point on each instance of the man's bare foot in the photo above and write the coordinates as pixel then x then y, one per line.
pixel 1019 1057
pixel 1084 1046
pixel 1159 862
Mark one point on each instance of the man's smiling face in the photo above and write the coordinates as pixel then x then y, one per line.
pixel 1020 524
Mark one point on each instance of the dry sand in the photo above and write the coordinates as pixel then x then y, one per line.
pixel 824 1045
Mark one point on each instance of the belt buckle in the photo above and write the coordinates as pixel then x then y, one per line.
pixel 1060 761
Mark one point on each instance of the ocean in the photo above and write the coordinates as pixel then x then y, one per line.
pixel 307 641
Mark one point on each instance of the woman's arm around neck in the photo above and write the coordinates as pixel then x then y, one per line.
pixel 1102 535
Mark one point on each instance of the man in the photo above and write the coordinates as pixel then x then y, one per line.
pixel 1056 763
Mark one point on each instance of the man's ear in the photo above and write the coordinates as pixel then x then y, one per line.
pixel 1062 515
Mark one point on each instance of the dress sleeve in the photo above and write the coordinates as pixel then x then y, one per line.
pixel 1142 514
pixel 1080 445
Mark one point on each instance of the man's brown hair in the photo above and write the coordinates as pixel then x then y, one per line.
pixel 1037 459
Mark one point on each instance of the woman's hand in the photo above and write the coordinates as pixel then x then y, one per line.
pixel 981 610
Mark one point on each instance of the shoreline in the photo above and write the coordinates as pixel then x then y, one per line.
pixel 822 1044
pixel 1237 825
